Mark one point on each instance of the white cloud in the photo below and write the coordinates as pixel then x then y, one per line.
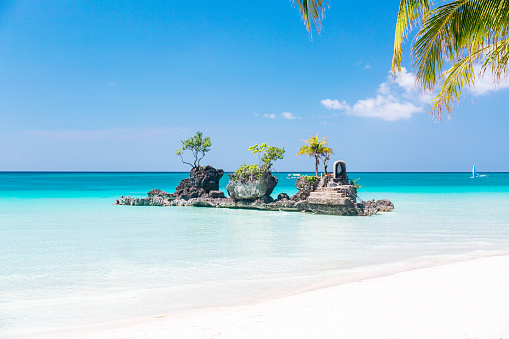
pixel 288 115
pixel 396 99
pixel 335 104
pixel 400 98
pixel 485 84
pixel 284 115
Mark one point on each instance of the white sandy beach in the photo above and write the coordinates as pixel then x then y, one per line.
pixel 468 299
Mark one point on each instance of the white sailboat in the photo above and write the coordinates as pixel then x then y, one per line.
pixel 475 174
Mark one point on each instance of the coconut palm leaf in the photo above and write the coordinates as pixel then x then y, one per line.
pixel 461 33
pixel 409 14
pixel 312 11
pixel 316 149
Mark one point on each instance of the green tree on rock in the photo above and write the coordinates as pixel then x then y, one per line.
pixel 316 149
pixel 198 145
pixel 266 156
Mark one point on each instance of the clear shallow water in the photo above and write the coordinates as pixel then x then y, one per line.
pixel 71 258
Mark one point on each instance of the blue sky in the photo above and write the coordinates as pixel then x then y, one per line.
pixel 115 86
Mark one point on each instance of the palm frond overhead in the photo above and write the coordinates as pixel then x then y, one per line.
pixel 312 11
pixel 458 34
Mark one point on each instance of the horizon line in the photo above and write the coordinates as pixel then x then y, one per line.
pixel 167 172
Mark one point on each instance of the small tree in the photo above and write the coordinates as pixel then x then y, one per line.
pixel 316 149
pixel 198 145
pixel 267 155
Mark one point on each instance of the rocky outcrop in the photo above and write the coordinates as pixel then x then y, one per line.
pixel 338 200
pixel 371 207
pixel 201 181
pixel 158 193
pixel 282 196
pixel 305 187
pixel 384 205
pixel 252 189
pixel 338 206
pixel 281 205
pixel 216 194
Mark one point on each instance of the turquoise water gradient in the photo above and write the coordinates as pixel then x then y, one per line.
pixel 69 257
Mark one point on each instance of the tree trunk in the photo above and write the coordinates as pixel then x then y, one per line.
pixel 316 166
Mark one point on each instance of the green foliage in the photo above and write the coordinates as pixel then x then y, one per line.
pixel 246 172
pixel 461 35
pixel 198 145
pixel 311 10
pixel 317 149
pixel 310 178
pixel 354 183
pixel 266 156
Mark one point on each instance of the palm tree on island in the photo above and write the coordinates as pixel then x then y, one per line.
pixel 318 150
pixel 469 35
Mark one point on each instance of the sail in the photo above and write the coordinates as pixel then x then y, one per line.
pixel 474 172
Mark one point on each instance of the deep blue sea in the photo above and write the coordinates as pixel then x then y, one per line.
pixel 70 258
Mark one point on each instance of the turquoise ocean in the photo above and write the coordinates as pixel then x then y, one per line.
pixel 69 258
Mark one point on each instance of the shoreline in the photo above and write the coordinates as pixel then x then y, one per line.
pixel 348 296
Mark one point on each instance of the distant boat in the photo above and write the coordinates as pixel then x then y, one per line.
pixel 475 174
pixel 293 176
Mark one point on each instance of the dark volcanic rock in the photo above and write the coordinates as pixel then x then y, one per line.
pixel 252 189
pixel 201 181
pixel 282 196
pixel 206 177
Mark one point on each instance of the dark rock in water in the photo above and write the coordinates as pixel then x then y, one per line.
pixel 157 193
pixel 282 196
pixel 206 177
pixel 201 181
pixel 216 194
pixel 187 190
pixel 252 189
pixel 367 208
pixel 371 207
pixel 384 205
pixel 305 188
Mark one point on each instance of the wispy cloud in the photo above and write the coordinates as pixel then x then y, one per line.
pixel 284 115
pixel 288 115
pixel 363 65
pixel 396 99
pixel 335 104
